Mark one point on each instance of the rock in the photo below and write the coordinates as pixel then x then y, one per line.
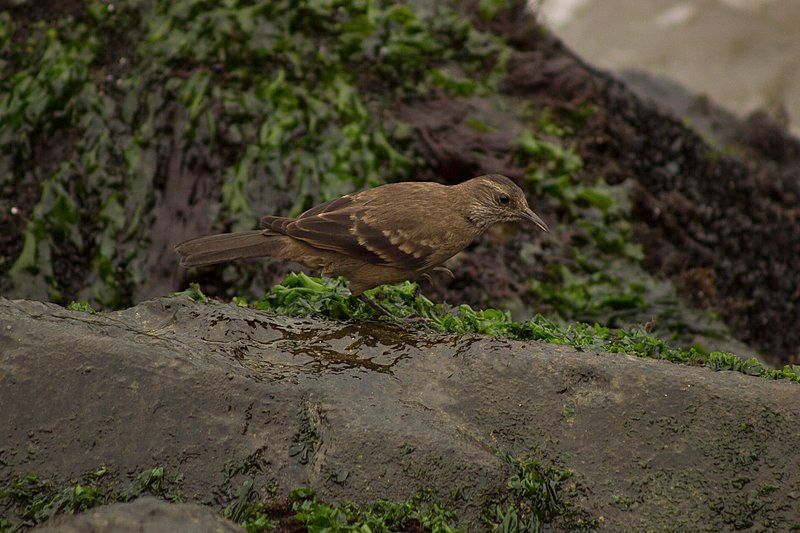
pixel 362 411
pixel 718 126
pixel 144 514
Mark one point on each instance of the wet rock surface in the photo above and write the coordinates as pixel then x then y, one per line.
pixel 145 514
pixel 362 411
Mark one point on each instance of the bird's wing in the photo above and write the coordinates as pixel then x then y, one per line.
pixel 365 227
pixel 279 223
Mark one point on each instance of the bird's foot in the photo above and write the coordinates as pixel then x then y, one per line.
pixel 413 319
pixel 442 269
pixel 375 306
pixel 445 270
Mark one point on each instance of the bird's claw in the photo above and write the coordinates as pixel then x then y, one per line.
pixel 445 270
pixel 413 319
pixel 441 269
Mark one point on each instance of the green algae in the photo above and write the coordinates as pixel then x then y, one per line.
pixel 538 497
pixel 535 498
pixel 382 515
pixel 273 104
pixel 34 500
pixel 82 306
pixel 600 278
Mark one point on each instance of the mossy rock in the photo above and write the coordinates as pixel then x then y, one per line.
pixel 218 394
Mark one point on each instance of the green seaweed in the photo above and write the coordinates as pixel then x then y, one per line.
pixel 538 498
pixel 34 500
pixel 39 500
pixel 382 515
pixel 82 306
pixel 247 512
pixel 272 103
pixel 488 9
pixel 192 293
pixel 602 279
pixel 153 482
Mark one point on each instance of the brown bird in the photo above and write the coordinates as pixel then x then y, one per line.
pixel 383 235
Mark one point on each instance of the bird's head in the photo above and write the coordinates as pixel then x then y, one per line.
pixel 495 198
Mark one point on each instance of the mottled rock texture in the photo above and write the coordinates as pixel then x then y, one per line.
pixel 362 411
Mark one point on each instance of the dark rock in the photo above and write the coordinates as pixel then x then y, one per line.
pixel 745 203
pixel 716 124
pixel 362 411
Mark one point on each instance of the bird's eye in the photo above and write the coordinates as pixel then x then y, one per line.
pixel 504 199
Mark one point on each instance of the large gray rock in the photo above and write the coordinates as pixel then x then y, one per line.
pixel 143 515
pixel 363 411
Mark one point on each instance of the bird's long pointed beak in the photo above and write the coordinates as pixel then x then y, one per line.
pixel 528 214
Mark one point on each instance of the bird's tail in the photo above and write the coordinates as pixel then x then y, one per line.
pixel 214 249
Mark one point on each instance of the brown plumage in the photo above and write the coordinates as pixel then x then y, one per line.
pixel 383 235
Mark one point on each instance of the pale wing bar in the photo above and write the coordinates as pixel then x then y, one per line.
pixel 340 226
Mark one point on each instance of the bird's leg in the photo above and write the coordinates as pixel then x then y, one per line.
pixel 379 309
pixel 382 311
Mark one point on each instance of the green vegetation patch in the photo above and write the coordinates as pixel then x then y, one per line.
pixel 383 515
pixel 538 497
pixel 33 500
pixel 37 500
pixel 302 295
pixel 82 306
pixel 595 273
